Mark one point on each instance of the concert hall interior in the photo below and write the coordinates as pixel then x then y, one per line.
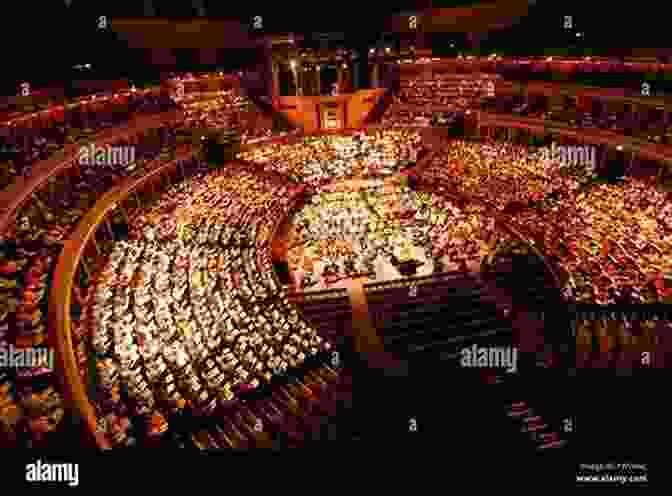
pixel 446 222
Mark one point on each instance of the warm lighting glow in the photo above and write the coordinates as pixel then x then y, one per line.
pixel 221 73
pixel 587 58
pixel 318 67
pixel 549 59
pixel 292 63
pixel 371 50
pixel 619 148
pixel 345 66
pixel 387 49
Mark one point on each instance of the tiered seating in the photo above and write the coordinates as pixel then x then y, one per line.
pixel 25 143
pixel 329 310
pixel 230 109
pixel 205 337
pixel 437 318
pixel 459 90
pixel 318 159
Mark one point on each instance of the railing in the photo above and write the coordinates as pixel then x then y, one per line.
pixel 642 148
pixel 310 296
pixel 7 118
pixel 15 196
pixel 60 297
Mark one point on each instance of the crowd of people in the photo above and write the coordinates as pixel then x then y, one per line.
pixel 460 91
pixel 502 173
pixel 32 244
pixel 367 227
pixel 21 146
pixel 230 110
pixel 30 249
pixel 187 311
pixel 316 158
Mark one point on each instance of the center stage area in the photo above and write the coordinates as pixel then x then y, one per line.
pixel 377 229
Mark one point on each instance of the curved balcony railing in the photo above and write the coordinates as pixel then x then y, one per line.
pixel 80 242
pixel 84 235
pixel 48 103
pixel 14 197
pixel 84 243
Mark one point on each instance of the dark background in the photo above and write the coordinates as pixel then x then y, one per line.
pixel 43 40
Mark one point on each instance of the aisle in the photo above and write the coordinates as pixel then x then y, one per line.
pixel 365 336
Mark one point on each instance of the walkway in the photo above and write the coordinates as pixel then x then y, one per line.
pixel 366 340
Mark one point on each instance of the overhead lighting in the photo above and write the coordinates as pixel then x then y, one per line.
pixel 619 148
pixel 387 49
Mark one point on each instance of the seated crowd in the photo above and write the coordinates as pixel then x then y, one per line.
pixel 214 324
pixel 460 91
pixel 368 226
pixel 610 243
pixel 23 144
pixel 189 313
pixel 230 110
pixel 316 158
pixel 32 244
pixel 649 125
